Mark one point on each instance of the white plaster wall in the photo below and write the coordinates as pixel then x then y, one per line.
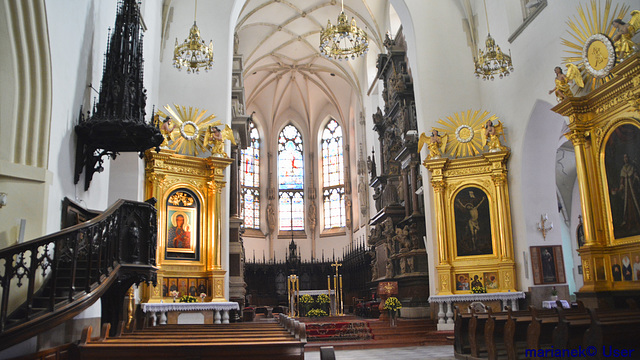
pixel 78 37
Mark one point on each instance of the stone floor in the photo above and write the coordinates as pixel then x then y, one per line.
pixel 404 353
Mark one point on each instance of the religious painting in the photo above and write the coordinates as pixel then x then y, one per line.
pixel 547 264
pixel 491 280
pixel 183 286
pixel 181 229
pixel 182 226
pixel 622 154
pixel 635 266
pixel 165 287
pixel 173 285
pixel 202 286
pixel 627 270
pixel 472 221
pixel 193 289
pixel 616 270
pixel 462 282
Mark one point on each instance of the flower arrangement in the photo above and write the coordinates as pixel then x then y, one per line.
pixel 188 299
pixel 323 299
pixel 392 304
pixel 554 292
pixel 316 313
pixel 202 296
pixel 478 290
pixel 306 299
pixel 174 294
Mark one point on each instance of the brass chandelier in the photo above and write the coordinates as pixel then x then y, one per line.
pixel 492 61
pixel 193 54
pixel 344 40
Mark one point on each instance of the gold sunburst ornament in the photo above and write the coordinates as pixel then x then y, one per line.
pixel 590 47
pixel 185 129
pixel 468 129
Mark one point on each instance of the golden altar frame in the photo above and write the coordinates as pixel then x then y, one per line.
pixel 593 122
pixel 486 175
pixel 187 185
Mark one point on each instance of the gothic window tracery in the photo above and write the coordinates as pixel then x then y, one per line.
pixel 290 179
pixel 333 194
pixel 250 180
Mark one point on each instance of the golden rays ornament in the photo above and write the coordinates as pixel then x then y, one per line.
pixel 467 129
pixel 589 46
pixel 185 130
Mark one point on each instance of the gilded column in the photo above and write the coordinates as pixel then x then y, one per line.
pixel 499 181
pixel 578 139
pixel 439 187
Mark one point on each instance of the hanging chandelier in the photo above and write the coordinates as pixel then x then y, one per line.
pixel 193 54
pixel 344 40
pixel 492 61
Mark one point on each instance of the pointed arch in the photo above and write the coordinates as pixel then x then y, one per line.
pixel 291 179
pixel 250 180
pixel 333 178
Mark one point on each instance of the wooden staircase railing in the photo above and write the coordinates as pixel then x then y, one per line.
pixel 49 280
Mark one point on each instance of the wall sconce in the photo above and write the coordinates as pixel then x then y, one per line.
pixel 3 199
pixel 545 225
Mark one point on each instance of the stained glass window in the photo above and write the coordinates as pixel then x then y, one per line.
pixel 333 176
pixel 291 179
pixel 250 180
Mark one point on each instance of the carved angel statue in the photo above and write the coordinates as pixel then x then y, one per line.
pixel 166 128
pixel 562 89
pixel 624 32
pixel 435 143
pixel 214 139
pixel 491 135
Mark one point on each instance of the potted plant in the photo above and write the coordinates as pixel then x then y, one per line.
pixel 316 313
pixel 188 299
pixel 323 301
pixel 392 304
pixel 554 294
pixel 306 301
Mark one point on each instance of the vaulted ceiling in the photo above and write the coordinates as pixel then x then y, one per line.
pixel 284 73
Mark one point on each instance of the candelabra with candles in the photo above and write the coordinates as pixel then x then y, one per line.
pixel 545 225
pixel 293 290
pixel 338 309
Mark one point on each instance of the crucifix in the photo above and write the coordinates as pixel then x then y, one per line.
pixel 337 286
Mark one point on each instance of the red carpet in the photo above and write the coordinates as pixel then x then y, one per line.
pixel 354 330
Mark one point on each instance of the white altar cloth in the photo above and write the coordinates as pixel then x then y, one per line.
pixel 196 306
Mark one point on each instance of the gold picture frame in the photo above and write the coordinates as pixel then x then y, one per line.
pixel 182 229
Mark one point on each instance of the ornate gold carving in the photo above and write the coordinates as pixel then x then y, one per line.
pixel 624 97
pixel 576 137
pixel 186 170
pixel 635 103
pixel 218 288
pixel 438 185
pixel 507 280
pixel 467 171
pixel 636 81
pixel 586 269
pixel 444 282
pixel 181 197
pixel 499 179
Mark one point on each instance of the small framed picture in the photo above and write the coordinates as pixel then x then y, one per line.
pixel 547 264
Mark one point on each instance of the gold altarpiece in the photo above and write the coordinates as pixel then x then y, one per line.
pixel 190 188
pixel 461 186
pixel 604 128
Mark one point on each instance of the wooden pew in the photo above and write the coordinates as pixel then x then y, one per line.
pixel 515 332
pixel 572 323
pixel 477 341
pixel 613 330
pixel 540 328
pixel 250 341
pixel 461 332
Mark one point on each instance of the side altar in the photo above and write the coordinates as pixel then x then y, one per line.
pixel 189 255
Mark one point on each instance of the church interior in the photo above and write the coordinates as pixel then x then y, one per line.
pixel 267 177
